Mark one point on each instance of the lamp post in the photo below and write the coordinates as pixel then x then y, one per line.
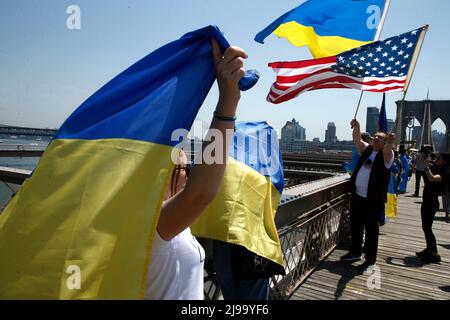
pixel 410 126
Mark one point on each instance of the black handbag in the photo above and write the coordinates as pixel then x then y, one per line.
pixel 248 265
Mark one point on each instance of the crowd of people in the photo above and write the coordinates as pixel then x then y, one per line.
pixel 377 160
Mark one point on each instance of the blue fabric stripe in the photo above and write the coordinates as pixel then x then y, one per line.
pixel 271 27
pixel 256 145
pixel 382 120
pixel 158 94
pixel 393 180
pixel 344 18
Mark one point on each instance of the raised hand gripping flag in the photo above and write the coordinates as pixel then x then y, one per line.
pixel 243 212
pixel 382 66
pixel 82 226
pixel 329 27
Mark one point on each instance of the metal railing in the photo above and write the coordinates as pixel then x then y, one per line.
pixel 20 152
pixel 10 181
pixel 311 220
pixel 308 243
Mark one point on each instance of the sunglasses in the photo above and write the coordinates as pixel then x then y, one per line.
pixel 368 163
pixel 380 137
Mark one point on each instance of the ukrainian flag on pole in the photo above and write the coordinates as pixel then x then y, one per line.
pixel 390 207
pixel 243 212
pixel 330 27
pixel 82 226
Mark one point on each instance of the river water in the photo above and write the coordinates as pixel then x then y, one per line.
pixel 19 143
pixel 22 143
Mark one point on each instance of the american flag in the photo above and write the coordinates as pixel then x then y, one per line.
pixel 380 66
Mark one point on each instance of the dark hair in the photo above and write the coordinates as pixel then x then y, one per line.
pixel 427 149
pixel 174 180
pixel 366 136
pixel 445 157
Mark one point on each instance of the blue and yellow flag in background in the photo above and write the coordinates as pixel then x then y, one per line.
pixel 390 207
pixel 330 27
pixel 82 226
pixel 243 212
pixel 405 172
pixel 382 119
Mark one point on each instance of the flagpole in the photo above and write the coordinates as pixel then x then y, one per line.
pixel 383 18
pixel 359 103
pixel 377 37
pixel 415 58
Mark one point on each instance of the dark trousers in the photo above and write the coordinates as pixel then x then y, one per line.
pixel 249 289
pixel 364 215
pixel 430 206
pixel 419 174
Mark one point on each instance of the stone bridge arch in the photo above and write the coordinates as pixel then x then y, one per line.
pixel 426 112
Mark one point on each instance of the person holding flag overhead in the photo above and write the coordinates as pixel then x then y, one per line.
pixel 350 166
pixel 369 182
pixel 84 224
pixel 176 269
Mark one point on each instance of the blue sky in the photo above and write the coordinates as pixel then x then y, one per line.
pixel 47 70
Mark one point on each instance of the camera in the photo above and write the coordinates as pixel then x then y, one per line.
pixel 427 151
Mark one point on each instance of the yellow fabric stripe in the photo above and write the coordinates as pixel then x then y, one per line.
pixel 320 46
pixel 90 203
pixel 391 206
pixel 243 212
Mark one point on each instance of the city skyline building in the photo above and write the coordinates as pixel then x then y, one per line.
pixel 330 133
pixel 291 135
pixel 373 114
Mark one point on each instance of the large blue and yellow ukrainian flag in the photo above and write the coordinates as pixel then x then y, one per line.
pixel 82 226
pixel 243 212
pixel 330 27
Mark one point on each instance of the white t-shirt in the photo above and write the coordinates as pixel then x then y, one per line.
pixel 176 268
pixel 362 179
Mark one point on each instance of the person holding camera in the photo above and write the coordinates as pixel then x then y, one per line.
pixel 419 164
pixel 437 182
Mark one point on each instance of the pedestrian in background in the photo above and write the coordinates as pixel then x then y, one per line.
pixel 437 182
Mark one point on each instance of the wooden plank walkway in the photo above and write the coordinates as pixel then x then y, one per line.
pixel 403 276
